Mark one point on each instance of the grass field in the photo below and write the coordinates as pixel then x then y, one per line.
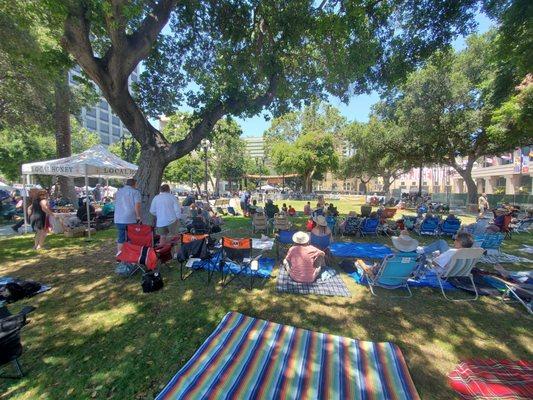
pixel 96 335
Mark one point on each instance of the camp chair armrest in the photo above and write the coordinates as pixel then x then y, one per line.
pixel 366 269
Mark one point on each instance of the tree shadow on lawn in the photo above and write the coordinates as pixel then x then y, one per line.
pixel 96 335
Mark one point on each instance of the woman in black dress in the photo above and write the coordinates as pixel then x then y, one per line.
pixel 39 218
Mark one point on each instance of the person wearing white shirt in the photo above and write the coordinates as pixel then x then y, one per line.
pixel 127 209
pixel 463 240
pixel 167 211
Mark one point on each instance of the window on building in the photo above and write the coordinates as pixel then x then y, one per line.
pixel 104 128
pixel 103 105
pixel 91 111
pixel 116 131
pixel 104 116
pixel 115 120
pixel 105 139
pixel 91 123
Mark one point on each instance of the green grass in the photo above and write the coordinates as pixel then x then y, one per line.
pixel 96 335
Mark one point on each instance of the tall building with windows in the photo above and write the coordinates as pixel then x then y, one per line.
pixel 100 118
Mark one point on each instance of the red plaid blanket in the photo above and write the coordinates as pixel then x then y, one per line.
pixel 493 379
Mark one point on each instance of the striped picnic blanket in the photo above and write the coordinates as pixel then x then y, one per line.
pixel 251 358
pixel 493 379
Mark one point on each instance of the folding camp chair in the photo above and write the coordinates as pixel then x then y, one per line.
pixel 392 273
pixel 491 242
pixel 460 265
pixel 283 240
pixel 523 293
pixel 351 226
pixel 388 213
pixel 281 223
pixel 10 345
pixel 409 222
pixel 369 226
pixel 237 252
pixel 321 242
pixel 523 226
pixel 429 226
pixel 332 224
pixel 506 226
pixel 450 226
pixel 193 248
pixel 259 222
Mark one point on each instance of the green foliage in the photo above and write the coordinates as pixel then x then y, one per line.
pixel 82 139
pixel 188 169
pixel 19 146
pixel 375 145
pixel 126 148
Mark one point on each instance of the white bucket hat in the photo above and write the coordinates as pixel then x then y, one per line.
pixel 300 237
pixel 404 242
pixel 321 220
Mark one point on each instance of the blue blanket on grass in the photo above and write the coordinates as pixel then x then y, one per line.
pixel 359 250
pixel 266 265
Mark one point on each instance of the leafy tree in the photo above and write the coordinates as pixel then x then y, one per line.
pixel 311 155
pixel 445 111
pixel 375 145
pixel 238 58
pixel 126 148
pixel 188 169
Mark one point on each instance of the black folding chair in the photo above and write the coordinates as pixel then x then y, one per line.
pixel 10 345
pixel 239 252
pixel 192 246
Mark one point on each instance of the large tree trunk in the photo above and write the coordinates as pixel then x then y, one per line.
pixel 149 176
pixel 471 187
pixel 63 133
pixel 387 182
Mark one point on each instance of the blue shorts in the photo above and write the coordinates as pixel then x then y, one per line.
pixel 121 232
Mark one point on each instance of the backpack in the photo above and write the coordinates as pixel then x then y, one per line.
pixel 151 282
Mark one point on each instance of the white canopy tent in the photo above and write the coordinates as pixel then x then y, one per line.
pixel 96 162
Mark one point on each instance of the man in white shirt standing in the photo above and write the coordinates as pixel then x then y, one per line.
pixel 127 209
pixel 167 211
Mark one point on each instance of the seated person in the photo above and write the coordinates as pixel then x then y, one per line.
pixel 189 200
pixel 443 252
pixel 319 210
pixel 291 211
pixel 321 227
pixel 108 209
pixel 82 212
pixel 307 209
pixel 303 261
pixel 197 224
pixel 332 210
pixel 252 208
pixel 310 224
pixel 271 209
pixel 499 219
pixel 284 208
pixel 404 243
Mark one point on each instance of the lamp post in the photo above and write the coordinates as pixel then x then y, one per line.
pixel 205 145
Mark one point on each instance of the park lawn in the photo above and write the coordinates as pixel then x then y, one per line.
pixel 96 335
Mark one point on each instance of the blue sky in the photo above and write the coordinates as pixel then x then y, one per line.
pixel 359 106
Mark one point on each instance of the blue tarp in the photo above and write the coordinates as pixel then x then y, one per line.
pixel 266 265
pixel 359 250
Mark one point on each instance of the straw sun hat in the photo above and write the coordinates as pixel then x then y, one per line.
pixel 404 242
pixel 321 220
pixel 300 237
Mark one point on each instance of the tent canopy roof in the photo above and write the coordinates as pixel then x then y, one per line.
pixel 95 162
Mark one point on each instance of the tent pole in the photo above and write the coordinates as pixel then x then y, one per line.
pixel 87 203
pixel 24 203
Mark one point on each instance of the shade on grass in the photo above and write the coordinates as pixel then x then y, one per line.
pixel 96 335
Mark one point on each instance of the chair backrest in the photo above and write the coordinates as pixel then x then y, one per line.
pixel 351 225
pixel 370 225
pixel 332 222
pixel 429 224
pixel 189 237
pixel 285 236
pixel 281 222
pixel 321 242
pixel 462 262
pixel 366 211
pixel 506 222
pixel 490 241
pixel 396 269
pixel 237 249
pixel 141 235
pixel 451 225
pixel 259 220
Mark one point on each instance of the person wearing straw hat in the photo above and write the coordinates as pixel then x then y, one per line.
pixel 404 243
pixel 303 262
pixel 321 227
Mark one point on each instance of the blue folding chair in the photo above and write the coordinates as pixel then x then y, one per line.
pixel 489 241
pixel 369 227
pixel 429 226
pixel 332 223
pixel 283 239
pixel 393 272
pixel 450 226
pixel 321 242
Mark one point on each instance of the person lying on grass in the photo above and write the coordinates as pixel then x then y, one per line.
pixel 303 262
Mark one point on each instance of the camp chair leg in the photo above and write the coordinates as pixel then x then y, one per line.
pixel 184 276
pixel 450 299
pixel 18 369
pixel 510 291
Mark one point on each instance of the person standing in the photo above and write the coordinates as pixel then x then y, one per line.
pixel 97 193
pixel 167 211
pixel 127 209
pixel 482 204
pixel 39 218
